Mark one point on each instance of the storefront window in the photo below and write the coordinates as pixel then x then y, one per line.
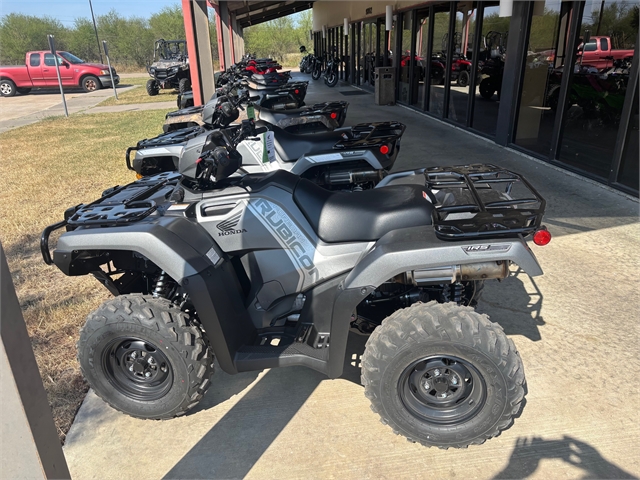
pixel 599 86
pixel 439 60
pixel 461 70
pixel 422 55
pixel 542 76
pixel 407 61
pixel 628 174
pixel 491 66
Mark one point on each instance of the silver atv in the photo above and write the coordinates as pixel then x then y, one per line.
pixel 270 270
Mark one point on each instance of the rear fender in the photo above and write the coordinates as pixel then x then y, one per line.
pixel 418 248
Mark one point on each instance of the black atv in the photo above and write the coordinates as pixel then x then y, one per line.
pixel 170 67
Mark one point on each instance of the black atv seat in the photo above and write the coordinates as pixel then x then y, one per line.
pixel 290 146
pixel 274 117
pixel 362 216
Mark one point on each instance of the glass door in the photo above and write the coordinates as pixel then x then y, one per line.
pixel 461 65
pixel 423 56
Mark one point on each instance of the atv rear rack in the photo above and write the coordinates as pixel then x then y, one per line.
pixel 170 138
pixel 367 135
pixel 117 206
pixel 474 201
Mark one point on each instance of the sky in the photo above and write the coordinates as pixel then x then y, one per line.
pixel 68 10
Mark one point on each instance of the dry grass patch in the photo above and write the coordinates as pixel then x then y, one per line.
pixel 139 94
pixel 45 168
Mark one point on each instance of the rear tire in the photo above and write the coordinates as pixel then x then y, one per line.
pixel 443 375
pixel 184 85
pixel 153 88
pixel 144 357
pixel 7 88
pixel 90 84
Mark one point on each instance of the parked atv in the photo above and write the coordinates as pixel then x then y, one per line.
pixel 170 67
pixel 270 270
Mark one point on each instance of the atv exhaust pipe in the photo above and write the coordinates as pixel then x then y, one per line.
pixel 454 273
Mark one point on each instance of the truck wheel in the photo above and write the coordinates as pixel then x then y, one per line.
pixel 23 90
pixel 144 357
pixel 152 87
pixel 7 88
pixel 463 79
pixel 91 83
pixel 443 375
pixel 184 85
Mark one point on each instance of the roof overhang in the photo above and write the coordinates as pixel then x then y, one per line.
pixel 252 12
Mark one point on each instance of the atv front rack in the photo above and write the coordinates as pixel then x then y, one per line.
pixel 367 135
pixel 474 201
pixel 117 206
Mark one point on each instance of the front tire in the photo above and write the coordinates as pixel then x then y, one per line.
pixel 443 375
pixel 317 72
pixel 7 88
pixel 332 79
pixel 486 88
pixel 91 84
pixel 184 85
pixel 463 79
pixel 153 87
pixel 144 357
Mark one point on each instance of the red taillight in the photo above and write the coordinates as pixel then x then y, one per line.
pixel 296 91
pixel 542 237
pixel 333 115
pixel 384 149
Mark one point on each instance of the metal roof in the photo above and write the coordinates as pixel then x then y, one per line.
pixel 251 12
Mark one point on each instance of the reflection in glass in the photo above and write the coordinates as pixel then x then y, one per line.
pixel 461 66
pixel 438 62
pixel 542 76
pixel 406 60
pixel 491 64
pixel 629 174
pixel 598 87
pixel 422 55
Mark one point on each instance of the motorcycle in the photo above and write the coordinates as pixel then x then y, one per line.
pixel 270 270
pixel 331 75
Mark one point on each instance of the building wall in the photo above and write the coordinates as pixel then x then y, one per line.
pixel 332 13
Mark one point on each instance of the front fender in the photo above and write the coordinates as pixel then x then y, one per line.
pixel 175 244
pixel 418 248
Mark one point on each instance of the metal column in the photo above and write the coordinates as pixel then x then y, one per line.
pixel 196 26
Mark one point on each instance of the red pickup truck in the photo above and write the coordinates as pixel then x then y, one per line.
pixel 40 71
pixel 597 52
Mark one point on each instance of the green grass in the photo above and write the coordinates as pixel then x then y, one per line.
pixel 139 93
pixel 66 161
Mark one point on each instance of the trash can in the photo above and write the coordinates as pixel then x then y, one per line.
pixel 385 86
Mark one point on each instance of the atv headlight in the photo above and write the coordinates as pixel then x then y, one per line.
pixel 152 70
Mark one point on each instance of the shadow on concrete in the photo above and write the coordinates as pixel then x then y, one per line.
pixel 240 438
pixel 528 452
pixel 514 306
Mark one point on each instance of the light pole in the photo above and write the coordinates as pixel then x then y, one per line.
pixel 95 29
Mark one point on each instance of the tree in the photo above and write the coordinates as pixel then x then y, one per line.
pixel 168 23
pixel 22 33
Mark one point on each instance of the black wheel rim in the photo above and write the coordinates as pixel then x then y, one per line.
pixel 442 389
pixel 137 368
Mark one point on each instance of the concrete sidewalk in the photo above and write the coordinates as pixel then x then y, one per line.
pixel 26 109
pixel 576 327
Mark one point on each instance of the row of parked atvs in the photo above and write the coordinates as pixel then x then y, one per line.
pixel 265 239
